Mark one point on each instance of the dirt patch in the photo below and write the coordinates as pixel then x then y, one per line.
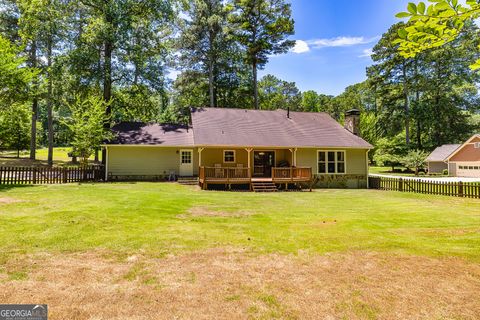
pixel 8 200
pixel 444 232
pixel 206 212
pixel 234 284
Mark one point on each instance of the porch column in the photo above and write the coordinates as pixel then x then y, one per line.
pixel 294 156
pixel 249 151
pixel 200 156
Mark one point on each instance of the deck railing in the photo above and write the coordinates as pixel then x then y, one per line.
pixel 240 174
pixel 224 173
pixel 292 174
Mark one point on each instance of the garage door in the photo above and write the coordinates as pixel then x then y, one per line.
pixel 466 169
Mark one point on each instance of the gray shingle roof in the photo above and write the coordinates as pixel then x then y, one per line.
pixel 441 153
pixel 152 134
pixel 261 128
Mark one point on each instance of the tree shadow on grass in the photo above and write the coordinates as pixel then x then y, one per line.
pixel 7 187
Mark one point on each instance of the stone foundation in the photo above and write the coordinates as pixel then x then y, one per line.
pixel 342 181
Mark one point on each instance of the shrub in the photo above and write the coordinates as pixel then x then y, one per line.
pixel 445 172
pixel 421 173
pixel 415 159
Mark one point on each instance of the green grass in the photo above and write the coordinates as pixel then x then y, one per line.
pixel 153 217
pixel 388 171
pixel 60 157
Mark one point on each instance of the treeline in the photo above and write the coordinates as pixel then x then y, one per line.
pixel 71 68
pixel 57 54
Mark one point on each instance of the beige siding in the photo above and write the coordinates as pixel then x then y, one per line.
pixel 437 167
pixel 356 174
pixel 356 162
pixel 212 156
pixel 467 169
pixel 452 169
pixel 145 161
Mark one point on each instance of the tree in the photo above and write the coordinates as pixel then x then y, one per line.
pixel 262 27
pixel 87 125
pixel 278 94
pixel 15 128
pixel 389 152
pixel 394 74
pixel 415 159
pixel 15 76
pixel 436 82
pixel 203 40
pixel 435 25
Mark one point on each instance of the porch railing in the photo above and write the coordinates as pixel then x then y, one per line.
pixel 292 174
pixel 224 173
pixel 232 174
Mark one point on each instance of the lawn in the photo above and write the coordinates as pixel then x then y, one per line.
pixel 257 255
pixel 60 157
pixel 388 171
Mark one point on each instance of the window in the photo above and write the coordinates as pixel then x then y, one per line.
pixel 476 145
pixel 186 157
pixel 229 156
pixel 331 162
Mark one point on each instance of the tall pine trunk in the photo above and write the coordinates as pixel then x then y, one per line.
pixel 406 104
pixel 107 76
pixel 255 86
pixel 211 88
pixel 33 133
pixel 49 101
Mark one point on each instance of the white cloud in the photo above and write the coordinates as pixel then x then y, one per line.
pixel 339 42
pixel 300 47
pixel 367 53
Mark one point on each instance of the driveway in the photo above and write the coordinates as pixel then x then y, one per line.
pixel 434 179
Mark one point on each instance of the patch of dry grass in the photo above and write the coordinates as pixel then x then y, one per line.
pixel 8 200
pixel 237 284
pixel 208 212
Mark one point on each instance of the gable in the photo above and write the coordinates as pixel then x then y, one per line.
pixel 467 152
pixel 442 153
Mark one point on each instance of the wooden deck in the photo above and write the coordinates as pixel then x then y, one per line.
pixel 239 175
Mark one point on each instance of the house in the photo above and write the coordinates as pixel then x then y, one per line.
pixel 437 161
pixel 465 161
pixel 237 146
pixel 462 160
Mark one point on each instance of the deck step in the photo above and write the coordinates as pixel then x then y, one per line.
pixel 264 186
pixel 188 181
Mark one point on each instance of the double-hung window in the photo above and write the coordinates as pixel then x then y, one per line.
pixel 331 162
pixel 229 156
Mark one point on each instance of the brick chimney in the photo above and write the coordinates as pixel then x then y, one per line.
pixel 352 121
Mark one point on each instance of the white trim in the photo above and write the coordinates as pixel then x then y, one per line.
pixel 235 146
pixel 200 156
pixel 234 156
pixel 368 169
pixel 336 161
pixel 180 164
pixel 106 164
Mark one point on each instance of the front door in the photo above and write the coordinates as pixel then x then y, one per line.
pixel 263 162
pixel 186 163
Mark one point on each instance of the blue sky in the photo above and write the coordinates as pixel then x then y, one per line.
pixel 334 41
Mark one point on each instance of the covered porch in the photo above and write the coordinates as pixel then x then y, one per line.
pixel 236 166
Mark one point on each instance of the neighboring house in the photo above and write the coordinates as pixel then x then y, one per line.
pixel 437 160
pixel 465 161
pixel 239 146
pixel 461 160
